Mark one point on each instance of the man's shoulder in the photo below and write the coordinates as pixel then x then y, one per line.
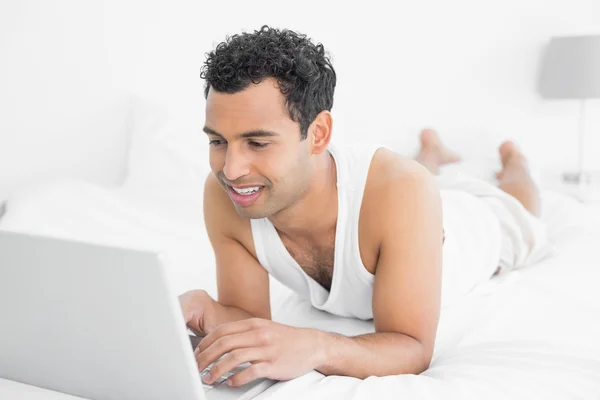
pixel 394 180
pixel 389 168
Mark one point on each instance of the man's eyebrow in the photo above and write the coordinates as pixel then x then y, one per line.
pixel 256 133
pixel 250 134
pixel 209 131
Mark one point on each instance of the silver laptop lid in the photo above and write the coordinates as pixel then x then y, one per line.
pixel 93 321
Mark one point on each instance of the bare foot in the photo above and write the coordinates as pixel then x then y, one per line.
pixel 509 153
pixel 430 141
pixel 515 178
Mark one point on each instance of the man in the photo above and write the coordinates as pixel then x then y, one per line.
pixel 359 230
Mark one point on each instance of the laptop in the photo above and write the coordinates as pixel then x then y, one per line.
pixel 98 322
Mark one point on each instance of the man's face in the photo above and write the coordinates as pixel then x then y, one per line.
pixel 256 148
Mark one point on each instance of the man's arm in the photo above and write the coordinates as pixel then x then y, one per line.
pixel 407 288
pixel 243 284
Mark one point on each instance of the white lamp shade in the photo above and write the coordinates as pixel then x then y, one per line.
pixel 571 68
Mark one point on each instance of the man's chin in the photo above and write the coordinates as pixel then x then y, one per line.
pixel 251 212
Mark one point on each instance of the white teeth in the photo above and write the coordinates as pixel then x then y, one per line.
pixel 247 191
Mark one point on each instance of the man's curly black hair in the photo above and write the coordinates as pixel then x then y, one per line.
pixel 303 71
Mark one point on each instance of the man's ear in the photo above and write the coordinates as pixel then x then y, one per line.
pixel 319 132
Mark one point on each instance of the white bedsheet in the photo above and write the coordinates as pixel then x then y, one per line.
pixel 532 333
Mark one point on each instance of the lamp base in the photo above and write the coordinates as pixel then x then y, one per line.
pixel 578 178
pixel 582 185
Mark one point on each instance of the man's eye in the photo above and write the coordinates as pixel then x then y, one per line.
pixel 215 143
pixel 258 145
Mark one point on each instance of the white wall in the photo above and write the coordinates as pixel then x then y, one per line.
pixel 466 67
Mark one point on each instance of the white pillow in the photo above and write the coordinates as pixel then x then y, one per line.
pixel 163 152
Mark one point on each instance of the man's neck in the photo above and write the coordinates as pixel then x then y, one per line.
pixel 316 213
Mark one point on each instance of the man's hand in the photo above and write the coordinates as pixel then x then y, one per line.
pixel 198 311
pixel 276 351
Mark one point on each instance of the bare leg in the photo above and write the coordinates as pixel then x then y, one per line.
pixel 516 180
pixel 433 153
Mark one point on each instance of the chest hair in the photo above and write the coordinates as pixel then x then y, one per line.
pixel 316 260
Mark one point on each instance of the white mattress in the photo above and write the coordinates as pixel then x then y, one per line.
pixel 533 333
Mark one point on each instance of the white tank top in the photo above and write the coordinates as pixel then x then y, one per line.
pixel 470 252
pixel 352 285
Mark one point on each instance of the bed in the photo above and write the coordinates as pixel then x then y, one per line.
pixel 531 333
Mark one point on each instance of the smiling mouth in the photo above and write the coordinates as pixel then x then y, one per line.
pixel 246 196
pixel 247 190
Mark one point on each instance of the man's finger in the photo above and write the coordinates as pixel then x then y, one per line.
pixel 222 346
pixel 229 329
pixel 232 360
pixel 209 323
pixel 255 371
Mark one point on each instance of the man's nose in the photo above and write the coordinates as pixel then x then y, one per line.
pixel 236 166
